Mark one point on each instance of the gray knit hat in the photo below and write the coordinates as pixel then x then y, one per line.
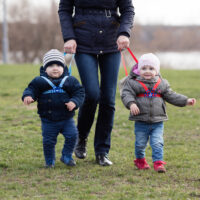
pixel 53 57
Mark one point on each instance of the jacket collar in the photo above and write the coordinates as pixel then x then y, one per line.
pixel 153 80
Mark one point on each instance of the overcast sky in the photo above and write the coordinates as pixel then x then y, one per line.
pixel 173 12
pixel 170 12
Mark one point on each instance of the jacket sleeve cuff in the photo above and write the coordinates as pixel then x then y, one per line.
pixel 66 39
pixel 124 34
pixel 28 95
pixel 76 103
pixel 129 104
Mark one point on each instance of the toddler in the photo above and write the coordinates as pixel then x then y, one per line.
pixel 57 96
pixel 145 96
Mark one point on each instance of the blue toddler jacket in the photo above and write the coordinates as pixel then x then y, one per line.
pixel 51 105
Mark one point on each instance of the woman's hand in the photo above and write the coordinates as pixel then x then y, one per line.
pixel 70 46
pixel 122 42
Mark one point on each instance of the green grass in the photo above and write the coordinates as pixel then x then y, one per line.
pixel 22 175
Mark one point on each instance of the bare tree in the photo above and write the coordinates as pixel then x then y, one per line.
pixel 34 31
pixel 31 34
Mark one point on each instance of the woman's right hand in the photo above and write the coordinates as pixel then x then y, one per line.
pixel 70 46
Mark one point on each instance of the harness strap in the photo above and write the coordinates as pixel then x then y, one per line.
pixel 54 88
pixel 62 82
pixel 143 85
pixel 157 84
pixel 49 82
pixel 145 95
pixel 149 93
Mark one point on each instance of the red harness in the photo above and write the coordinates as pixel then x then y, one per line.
pixel 149 93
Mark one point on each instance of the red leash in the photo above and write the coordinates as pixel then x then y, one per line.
pixel 123 61
pixel 133 55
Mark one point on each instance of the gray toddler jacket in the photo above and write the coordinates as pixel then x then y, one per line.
pixel 152 109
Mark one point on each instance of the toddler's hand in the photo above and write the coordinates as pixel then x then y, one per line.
pixel 134 109
pixel 70 105
pixel 191 102
pixel 28 100
pixel 123 42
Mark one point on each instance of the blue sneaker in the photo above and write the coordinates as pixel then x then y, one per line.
pixel 68 161
pixel 50 164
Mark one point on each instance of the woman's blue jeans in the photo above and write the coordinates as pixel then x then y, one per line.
pixel 98 91
pixel 152 132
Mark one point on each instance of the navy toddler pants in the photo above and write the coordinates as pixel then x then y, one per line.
pixel 50 131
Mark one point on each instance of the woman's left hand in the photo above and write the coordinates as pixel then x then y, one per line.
pixel 122 42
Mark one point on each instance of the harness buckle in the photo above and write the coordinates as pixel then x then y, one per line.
pixel 108 13
pixel 57 90
pixel 151 95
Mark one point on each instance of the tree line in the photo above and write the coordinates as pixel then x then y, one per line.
pixel 32 32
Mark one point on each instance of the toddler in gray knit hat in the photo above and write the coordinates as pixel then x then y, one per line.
pixel 57 95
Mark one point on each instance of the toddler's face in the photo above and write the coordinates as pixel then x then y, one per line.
pixel 147 72
pixel 54 70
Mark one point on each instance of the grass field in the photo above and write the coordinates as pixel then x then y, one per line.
pixel 22 175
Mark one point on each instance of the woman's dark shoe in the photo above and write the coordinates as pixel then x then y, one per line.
pixel 80 150
pixel 103 160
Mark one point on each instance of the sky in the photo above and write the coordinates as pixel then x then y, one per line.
pixel 170 12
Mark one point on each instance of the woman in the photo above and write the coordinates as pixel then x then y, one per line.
pixel 95 31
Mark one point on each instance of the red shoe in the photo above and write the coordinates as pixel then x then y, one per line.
pixel 159 166
pixel 141 163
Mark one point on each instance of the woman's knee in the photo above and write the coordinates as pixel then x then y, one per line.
pixel 92 96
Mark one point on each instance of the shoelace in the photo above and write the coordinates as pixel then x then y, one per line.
pixel 160 162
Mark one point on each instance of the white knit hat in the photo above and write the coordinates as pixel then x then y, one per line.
pixel 53 57
pixel 149 59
